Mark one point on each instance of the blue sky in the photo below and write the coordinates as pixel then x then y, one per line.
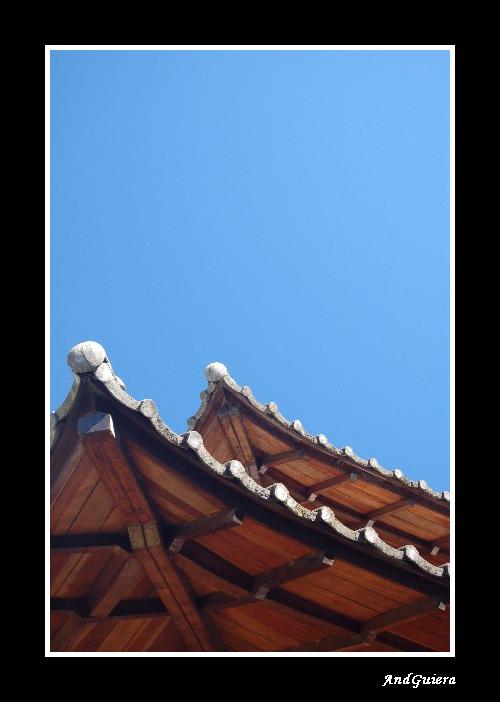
pixel 283 212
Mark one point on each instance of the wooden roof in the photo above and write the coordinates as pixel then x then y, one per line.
pixel 361 492
pixel 167 542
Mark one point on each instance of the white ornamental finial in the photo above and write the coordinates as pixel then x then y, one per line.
pixel 215 371
pixel 86 357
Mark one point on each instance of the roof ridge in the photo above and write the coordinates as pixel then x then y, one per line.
pixel 217 374
pixel 100 368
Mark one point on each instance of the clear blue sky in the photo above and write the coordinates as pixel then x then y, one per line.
pixel 285 213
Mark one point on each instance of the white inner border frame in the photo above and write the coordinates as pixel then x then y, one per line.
pixel 204 47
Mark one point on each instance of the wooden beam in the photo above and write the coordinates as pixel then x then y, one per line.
pixel 97 433
pixel 299 493
pixel 115 469
pixel 390 509
pixel 367 631
pixel 86 543
pixel 172 586
pixel 227 571
pixel 60 480
pixel 298 568
pixel 404 614
pixel 217 601
pixel 177 536
pixel 69 633
pixel 442 543
pixel 258 586
pixel 398 642
pixel 112 585
pixel 314 490
pixel 230 419
pixel 343 463
pixel 347 644
pixel 296 602
pixel 217 565
pixel 285 457
pixel 150 608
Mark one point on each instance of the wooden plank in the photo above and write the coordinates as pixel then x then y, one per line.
pixel 257 422
pixel 283 457
pixel 216 565
pixel 121 634
pixel 230 418
pixel 172 587
pixel 86 543
pixel 169 639
pixel 68 634
pixel 246 633
pixel 145 636
pixel 204 581
pixel 323 627
pixel 125 609
pixel 442 543
pixel 217 601
pixel 227 571
pixel 98 436
pixel 400 643
pixel 113 585
pixel 231 436
pixel 174 485
pixel 94 512
pixel 225 519
pixel 234 430
pixel 252 619
pixel 314 490
pixel 357 577
pixel 407 613
pixel 74 495
pixel 391 508
pixel 298 568
pixel 72 584
pixel 345 513
pixel 59 576
pixel 174 510
pixel 233 546
pixel 96 633
pixel 362 594
pixel 312 609
pixel 65 473
pixel 116 471
pixel 369 629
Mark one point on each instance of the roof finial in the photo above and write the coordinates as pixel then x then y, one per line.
pixel 86 357
pixel 215 371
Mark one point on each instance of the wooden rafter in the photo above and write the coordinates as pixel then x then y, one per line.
pixel 368 631
pixel 300 493
pixel 177 536
pixel 65 473
pixel 277 458
pixel 151 608
pixel 230 419
pixel 344 463
pixel 220 600
pixel 298 568
pixel 69 634
pixel 113 584
pixel 314 490
pixel 390 509
pixel 98 436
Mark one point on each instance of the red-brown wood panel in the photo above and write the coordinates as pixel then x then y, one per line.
pixel 73 496
pixel 172 483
